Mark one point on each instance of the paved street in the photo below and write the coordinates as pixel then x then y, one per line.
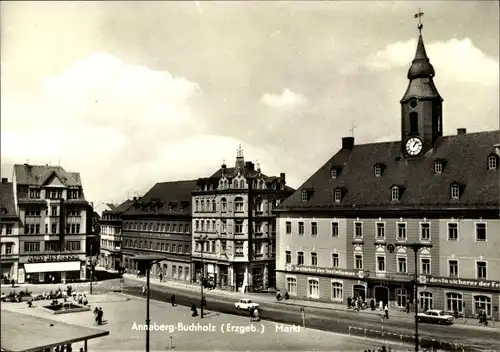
pixel 121 315
pixel 475 337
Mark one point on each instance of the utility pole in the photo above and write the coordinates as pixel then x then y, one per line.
pixel 250 227
pixel 416 247
pixel 147 306
pixel 91 268
pixel 202 242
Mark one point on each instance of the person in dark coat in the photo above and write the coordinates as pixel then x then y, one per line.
pixel 372 304
pixel 194 310
pixel 349 302
pixel 407 307
pixel 172 300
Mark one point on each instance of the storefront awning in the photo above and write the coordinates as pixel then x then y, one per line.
pixel 51 267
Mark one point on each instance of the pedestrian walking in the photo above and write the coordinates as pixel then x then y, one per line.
pixel 386 310
pixel 372 304
pixel 12 282
pixel 172 300
pixel 349 302
pixel 381 305
pixel 143 290
pixel 250 312
pixel 407 307
pixel 194 310
pixel 161 277
pixel 256 314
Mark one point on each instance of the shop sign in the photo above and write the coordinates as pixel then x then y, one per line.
pixel 326 271
pixel 52 258
pixel 464 283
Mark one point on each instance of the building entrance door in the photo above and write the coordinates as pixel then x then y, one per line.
pixel 382 294
pixel 359 291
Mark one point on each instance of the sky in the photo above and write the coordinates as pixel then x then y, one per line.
pixel 134 93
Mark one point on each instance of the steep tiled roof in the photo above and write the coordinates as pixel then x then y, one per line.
pixel 166 197
pixel 7 205
pixel 465 159
pixel 123 207
pixel 111 206
pixel 36 175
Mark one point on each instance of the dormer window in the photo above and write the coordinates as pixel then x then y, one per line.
pixel 378 171
pixel 304 196
pixel 438 166
pixel 492 162
pixel 337 195
pixel 333 173
pixel 395 193
pixel 455 191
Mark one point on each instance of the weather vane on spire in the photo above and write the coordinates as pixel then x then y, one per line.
pixel 419 16
pixel 353 127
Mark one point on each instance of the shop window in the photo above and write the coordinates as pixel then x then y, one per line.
pixel 313 288
pixel 402 297
pixel 426 301
pixel 482 303
pixel 454 302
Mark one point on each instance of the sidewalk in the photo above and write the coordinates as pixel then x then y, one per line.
pixel 270 298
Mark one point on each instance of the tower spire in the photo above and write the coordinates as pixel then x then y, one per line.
pixel 421 66
pixel 240 160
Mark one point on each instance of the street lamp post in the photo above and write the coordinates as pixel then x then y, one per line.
pixel 202 242
pixel 416 247
pixel 145 262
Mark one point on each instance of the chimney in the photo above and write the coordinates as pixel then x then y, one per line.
pixel 4 180
pixel 461 131
pixel 348 143
pixel 249 166
pixel 282 176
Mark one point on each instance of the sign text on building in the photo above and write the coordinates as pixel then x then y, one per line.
pixel 325 271
pixel 464 282
pixel 52 258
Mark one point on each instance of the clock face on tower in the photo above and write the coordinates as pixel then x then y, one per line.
pixel 413 146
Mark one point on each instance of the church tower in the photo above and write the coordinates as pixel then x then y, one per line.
pixel 421 105
pixel 240 160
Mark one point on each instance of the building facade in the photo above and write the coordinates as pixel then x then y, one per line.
pixel 351 228
pixel 9 227
pixel 160 223
pixel 111 236
pixel 237 255
pixel 52 211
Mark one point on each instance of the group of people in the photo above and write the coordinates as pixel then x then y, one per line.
pixel 483 318
pixel 279 297
pixel 98 313
pixel 358 303
pixel 382 349
pixel 64 348
pixel 254 314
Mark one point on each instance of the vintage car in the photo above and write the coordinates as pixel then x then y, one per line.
pixel 435 316
pixel 246 304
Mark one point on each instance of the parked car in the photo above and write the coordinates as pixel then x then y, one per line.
pixel 246 304
pixel 435 316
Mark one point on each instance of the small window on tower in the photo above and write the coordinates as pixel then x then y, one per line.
pixel 413 122
pixel 438 166
pixel 333 173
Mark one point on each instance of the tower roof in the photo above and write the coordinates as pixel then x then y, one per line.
pixel 420 66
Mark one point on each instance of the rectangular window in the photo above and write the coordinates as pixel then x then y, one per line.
pixel 238 226
pixel 335 229
pixel 358 261
pixel 8 229
pixel 8 248
pixel 224 226
pixel 425 231
pixel 314 228
pixel 402 231
pixel 223 245
pixel 337 291
pixel 301 228
pixel 288 257
pixel 238 247
pixel 380 263
pixel 73 245
pixel 300 258
pixel 358 229
pixel 54 228
pixel 453 231
pixel 401 265
pixel 37 228
pixel 32 246
pixel 480 232
pixel 335 260
pixel 426 266
pixel 313 291
pixel 481 270
pixel 314 259
pixel 186 248
pixel 380 230
pixel 174 271
pixel 288 227
pixel 54 211
pixel 35 193
pixel 453 265
pixel 291 285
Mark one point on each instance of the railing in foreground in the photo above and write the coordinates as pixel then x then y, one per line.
pixel 430 344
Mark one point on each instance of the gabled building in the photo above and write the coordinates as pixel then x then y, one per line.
pixel 234 219
pixel 9 227
pixel 53 214
pixel 347 230
pixel 160 223
pixel 111 236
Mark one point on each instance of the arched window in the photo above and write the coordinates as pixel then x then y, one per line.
pixel 402 297
pixel 202 206
pixel 202 225
pixel 174 248
pixel 238 204
pixel 482 303
pixel 242 184
pixel 402 261
pixel 454 301
pixel 235 183
pixel 258 204
pixel 223 205
pixel 214 206
pixel 197 225
pixel 337 292
pixel 413 122
pixel 426 301
pixel 395 193
pixel 380 261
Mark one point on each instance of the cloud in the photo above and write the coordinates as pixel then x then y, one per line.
pixel 285 100
pixel 458 60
